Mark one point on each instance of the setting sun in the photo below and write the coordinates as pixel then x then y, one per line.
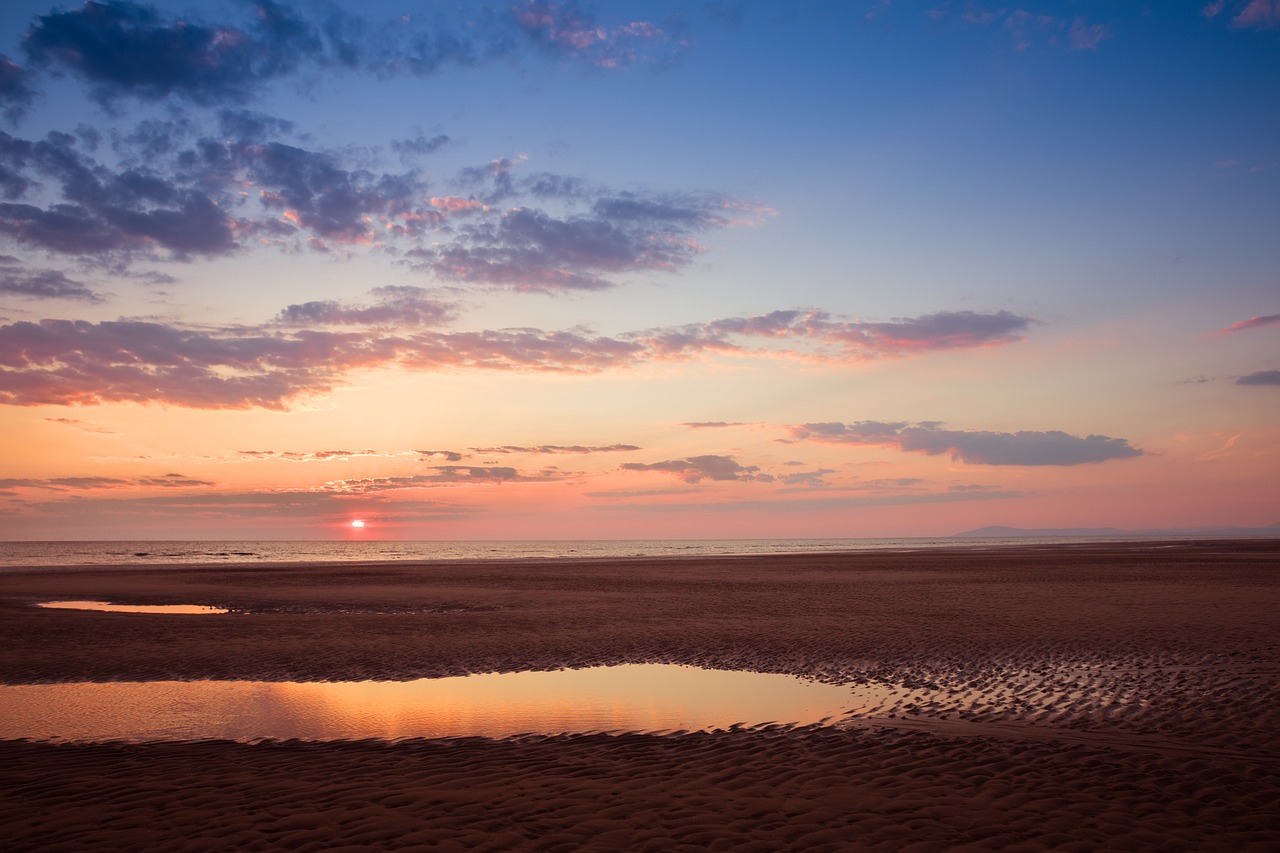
pixel 357 523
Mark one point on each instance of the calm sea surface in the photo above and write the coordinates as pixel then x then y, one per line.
pixel 161 554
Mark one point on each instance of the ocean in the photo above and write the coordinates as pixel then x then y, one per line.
pixel 170 553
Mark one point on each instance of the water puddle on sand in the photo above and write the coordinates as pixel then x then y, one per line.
pixel 108 607
pixel 632 697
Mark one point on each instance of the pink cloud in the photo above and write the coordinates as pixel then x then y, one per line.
pixel 1259 15
pixel 65 362
pixel 1251 323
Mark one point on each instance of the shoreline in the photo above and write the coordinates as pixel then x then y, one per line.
pixel 1102 695
pixel 927 544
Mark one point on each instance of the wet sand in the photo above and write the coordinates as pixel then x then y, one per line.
pixel 1082 697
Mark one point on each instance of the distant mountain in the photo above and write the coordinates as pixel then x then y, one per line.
pixel 1000 532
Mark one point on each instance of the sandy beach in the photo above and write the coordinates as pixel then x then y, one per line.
pixel 1118 696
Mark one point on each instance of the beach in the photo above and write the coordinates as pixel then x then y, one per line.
pixel 1118 696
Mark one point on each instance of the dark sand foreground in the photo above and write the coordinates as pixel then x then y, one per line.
pixel 1084 697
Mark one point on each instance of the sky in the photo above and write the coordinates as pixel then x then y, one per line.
pixel 545 270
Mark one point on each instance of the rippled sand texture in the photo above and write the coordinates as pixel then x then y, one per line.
pixel 1076 697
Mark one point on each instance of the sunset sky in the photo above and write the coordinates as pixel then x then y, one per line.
pixel 637 270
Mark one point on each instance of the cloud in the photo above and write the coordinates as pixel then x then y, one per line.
pixel 714 424
pixel 1258 15
pixel 397 306
pixel 62 484
pixel 122 48
pixel 974 447
pixel 1086 36
pixel 420 144
pixel 102 212
pixel 1262 377
pixel 447 455
pixel 309 455
pixel 554 449
pixel 856 340
pixel 808 479
pixel 17 89
pixel 1025 28
pixel 568 31
pixel 1251 323
pixel 531 250
pixel 175 193
pixel 81 425
pixel 444 475
pixel 698 468
pixel 16 280
pixel 66 362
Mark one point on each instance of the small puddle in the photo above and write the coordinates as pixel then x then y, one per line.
pixel 107 606
pixel 632 697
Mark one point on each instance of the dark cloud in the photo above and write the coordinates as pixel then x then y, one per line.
pixel 397 306
pixel 698 468
pixel 1262 377
pixel 447 455
pixel 17 89
pixel 554 449
pixel 811 479
pixel 975 447
pixel 420 144
pixel 528 249
pixel 444 475
pixel 121 49
pixel 250 126
pixel 15 280
pixel 603 235
pixel 188 200
pixel 102 212
pixel 853 340
pixel 61 484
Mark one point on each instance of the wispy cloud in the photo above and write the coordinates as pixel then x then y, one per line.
pixel 1251 323
pixel 67 362
pixel 553 449
pixel 1258 15
pixel 63 484
pixel 974 447
pixel 81 425
pixel 309 455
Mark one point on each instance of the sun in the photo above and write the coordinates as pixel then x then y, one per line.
pixel 358 523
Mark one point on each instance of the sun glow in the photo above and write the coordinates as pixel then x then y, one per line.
pixel 358 523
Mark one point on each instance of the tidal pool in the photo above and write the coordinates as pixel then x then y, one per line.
pixel 632 697
pixel 109 607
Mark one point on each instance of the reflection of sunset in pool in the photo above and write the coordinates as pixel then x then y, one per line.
pixel 639 697
pixel 160 609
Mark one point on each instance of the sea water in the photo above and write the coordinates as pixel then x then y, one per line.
pixel 171 553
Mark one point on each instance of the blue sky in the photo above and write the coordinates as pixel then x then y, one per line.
pixel 1036 240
